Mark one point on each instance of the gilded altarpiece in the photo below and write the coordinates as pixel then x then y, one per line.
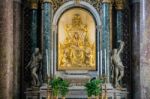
pixel 76 40
pixel 77 37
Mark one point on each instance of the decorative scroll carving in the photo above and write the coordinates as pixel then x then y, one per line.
pixel 58 3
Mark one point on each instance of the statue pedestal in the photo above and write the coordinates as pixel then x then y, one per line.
pixel 32 93
pixel 115 94
pixel 38 93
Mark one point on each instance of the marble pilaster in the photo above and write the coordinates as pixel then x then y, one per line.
pixel 17 16
pixel 106 37
pixel 6 49
pixel 47 13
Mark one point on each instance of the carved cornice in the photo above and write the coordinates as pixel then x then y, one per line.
pixel 119 4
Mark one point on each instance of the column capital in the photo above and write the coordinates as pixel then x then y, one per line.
pixel 33 4
pixel 46 1
pixel 119 4
pixel 108 1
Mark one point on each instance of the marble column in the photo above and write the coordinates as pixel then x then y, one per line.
pixel 144 49
pixel 119 6
pixel 34 23
pixel 106 26
pixel 6 49
pixel 135 30
pixel 17 16
pixel 47 17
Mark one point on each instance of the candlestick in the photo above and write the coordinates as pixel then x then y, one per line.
pixel 98 67
pixel 48 73
pixel 101 63
pixel 108 70
pixel 105 62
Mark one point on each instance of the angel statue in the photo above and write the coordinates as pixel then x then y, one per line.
pixel 117 65
pixel 34 65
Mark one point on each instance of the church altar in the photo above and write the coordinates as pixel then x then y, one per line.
pixel 77 40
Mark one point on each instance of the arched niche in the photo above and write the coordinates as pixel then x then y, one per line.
pixel 66 6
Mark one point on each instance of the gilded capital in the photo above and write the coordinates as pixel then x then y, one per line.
pixel 108 1
pixel 48 1
pixel 119 4
pixel 33 4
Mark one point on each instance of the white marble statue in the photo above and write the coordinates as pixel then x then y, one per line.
pixel 34 65
pixel 117 65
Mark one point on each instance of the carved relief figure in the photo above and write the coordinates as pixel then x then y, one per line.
pixel 34 65
pixel 117 65
pixel 76 50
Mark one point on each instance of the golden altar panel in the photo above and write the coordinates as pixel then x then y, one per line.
pixel 76 40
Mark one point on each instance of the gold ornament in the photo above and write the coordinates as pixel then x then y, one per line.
pixel 76 50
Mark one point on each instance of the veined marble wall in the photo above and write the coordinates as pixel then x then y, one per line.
pixel 141 48
pixel 6 49
pixel 145 49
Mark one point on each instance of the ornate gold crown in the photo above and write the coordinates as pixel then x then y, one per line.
pixel 76 17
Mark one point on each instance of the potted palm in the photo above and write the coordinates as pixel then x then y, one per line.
pixel 93 87
pixel 55 85
pixel 64 88
pixel 89 89
pixel 59 85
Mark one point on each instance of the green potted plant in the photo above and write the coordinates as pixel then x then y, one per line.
pixel 93 87
pixel 59 85
pixel 64 88
pixel 55 85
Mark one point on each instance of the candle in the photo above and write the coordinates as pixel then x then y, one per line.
pixel 105 62
pixel 101 63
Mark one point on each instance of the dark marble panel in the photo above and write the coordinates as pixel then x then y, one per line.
pixel 17 17
pixel 135 30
